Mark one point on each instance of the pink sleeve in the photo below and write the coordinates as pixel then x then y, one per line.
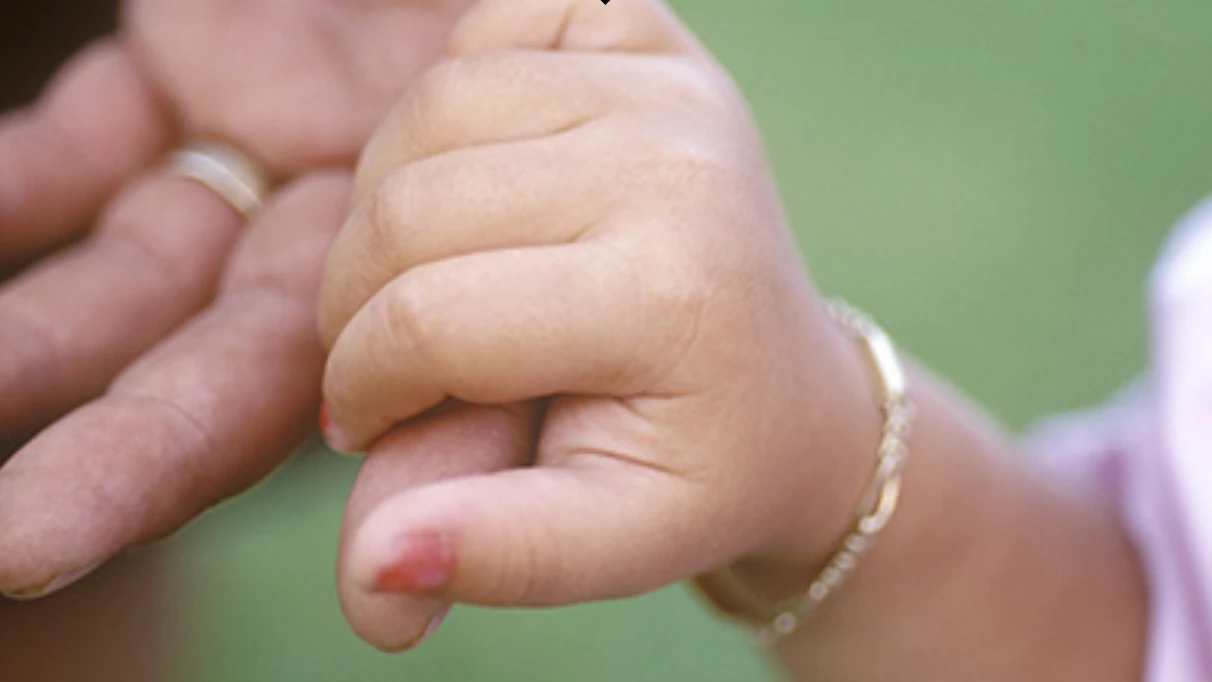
pixel 1149 454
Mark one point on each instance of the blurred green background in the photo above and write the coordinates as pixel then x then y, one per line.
pixel 992 180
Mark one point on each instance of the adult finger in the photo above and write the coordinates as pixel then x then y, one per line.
pixel 206 414
pixel 505 326
pixel 97 124
pixel 451 442
pixel 486 198
pixel 70 324
pixel 594 527
pixel 629 26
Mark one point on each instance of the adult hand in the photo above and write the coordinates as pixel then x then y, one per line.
pixel 178 391
pixel 575 209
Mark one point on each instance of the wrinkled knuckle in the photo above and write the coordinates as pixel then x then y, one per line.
pixel 522 582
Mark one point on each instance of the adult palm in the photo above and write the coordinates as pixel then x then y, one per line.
pixel 163 352
pixel 300 84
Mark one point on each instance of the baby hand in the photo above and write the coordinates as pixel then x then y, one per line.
pixel 575 208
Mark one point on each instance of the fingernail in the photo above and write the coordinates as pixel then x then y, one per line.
pixel 419 563
pixel 432 627
pixel 333 435
pixel 425 634
pixel 56 584
pixel 435 624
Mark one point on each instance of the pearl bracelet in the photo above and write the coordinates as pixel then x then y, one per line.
pixel 883 493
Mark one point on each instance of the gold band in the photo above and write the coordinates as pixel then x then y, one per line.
pixel 883 494
pixel 227 172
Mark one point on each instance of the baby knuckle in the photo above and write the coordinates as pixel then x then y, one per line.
pixel 695 88
pixel 675 295
pixel 395 210
pixel 379 236
pixel 684 302
pixel 673 302
pixel 685 162
pixel 414 321
pixel 403 321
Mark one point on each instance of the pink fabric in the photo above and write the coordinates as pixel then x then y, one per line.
pixel 1150 454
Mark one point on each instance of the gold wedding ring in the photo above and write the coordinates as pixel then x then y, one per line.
pixel 224 170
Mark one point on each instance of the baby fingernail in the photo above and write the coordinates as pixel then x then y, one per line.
pixel 419 563
pixel 55 585
pixel 333 435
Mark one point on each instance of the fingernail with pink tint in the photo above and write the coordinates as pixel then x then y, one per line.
pixel 418 563
pixel 333 435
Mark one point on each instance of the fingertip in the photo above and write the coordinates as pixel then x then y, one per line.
pixel 338 438
pixel 56 584
pixel 405 546
pixel 359 412
pixel 448 443
pixel 340 442
pixel 334 438
pixel 414 563
pixel 390 622
pixel 370 550
pixel 401 640
pixel 97 123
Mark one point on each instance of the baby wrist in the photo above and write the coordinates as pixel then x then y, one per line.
pixel 772 622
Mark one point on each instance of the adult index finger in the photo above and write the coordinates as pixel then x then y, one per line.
pixel 97 124
pixel 202 417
